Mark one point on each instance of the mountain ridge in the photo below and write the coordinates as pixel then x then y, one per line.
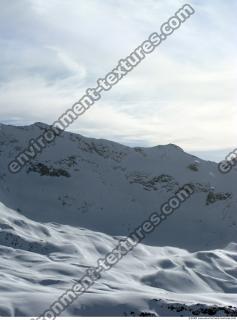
pixel 111 188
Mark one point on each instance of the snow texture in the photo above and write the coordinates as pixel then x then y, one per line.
pixel 70 205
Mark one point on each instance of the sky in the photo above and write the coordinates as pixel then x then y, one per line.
pixel 184 93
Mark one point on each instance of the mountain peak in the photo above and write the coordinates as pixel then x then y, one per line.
pixel 41 125
pixel 168 147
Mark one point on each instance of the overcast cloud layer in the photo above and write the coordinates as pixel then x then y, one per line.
pixel 183 93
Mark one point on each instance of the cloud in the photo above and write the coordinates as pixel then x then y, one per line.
pixel 183 93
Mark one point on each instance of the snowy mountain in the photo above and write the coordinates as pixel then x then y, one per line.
pixel 111 188
pixel 72 204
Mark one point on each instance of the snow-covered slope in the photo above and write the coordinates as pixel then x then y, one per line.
pixel 111 188
pixel 39 261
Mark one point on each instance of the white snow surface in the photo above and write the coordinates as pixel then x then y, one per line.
pixel 41 261
pixel 72 204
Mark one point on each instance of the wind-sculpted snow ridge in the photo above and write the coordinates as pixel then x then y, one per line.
pixel 107 187
pixel 39 261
